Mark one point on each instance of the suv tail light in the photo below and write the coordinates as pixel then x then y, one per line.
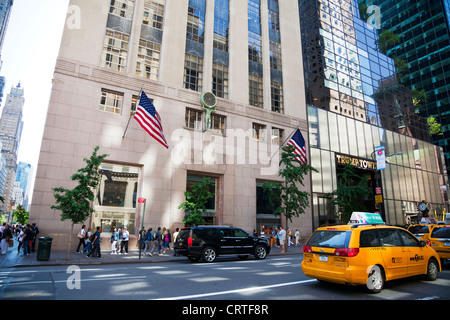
pixel 350 252
pixel 307 249
pixel 190 241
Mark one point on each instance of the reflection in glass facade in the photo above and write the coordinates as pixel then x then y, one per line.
pixel 255 54
pixel 423 27
pixel 356 104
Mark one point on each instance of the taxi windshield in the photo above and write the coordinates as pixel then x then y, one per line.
pixel 330 239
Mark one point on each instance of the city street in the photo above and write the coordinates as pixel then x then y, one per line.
pixel 275 278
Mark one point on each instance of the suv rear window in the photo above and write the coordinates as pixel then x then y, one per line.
pixel 205 232
pixel 330 239
pixel 183 232
pixel 441 232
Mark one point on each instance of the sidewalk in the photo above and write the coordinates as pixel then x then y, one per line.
pixel 14 259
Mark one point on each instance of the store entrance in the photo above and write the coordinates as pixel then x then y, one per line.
pixel 368 202
pixel 368 169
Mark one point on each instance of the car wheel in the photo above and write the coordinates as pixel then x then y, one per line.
pixel 260 252
pixel 375 281
pixel 432 270
pixel 209 254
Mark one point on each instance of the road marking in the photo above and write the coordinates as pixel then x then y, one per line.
pixel 246 290
pixel 429 298
pixel 65 281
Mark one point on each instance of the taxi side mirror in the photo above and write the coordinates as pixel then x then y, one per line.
pixel 422 244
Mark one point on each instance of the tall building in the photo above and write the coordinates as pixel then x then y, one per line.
pixel 424 30
pixel 355 104
pixel 5 13
pixel 249 55
pixel 23 179
pixel 11 125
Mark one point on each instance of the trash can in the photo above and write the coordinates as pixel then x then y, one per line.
pixel 44 248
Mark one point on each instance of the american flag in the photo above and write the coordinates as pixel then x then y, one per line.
pixel 149 119
pixel 298 143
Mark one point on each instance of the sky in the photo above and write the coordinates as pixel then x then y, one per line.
pixel 29 55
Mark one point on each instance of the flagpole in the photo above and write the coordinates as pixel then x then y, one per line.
pixel 284 143
pixel 132 112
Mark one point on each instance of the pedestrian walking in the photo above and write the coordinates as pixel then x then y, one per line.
pixel 114 239
pixel 148 241
pixel 35 230
pixel 81 236
pixel 7 236
pixel 20 239
pixel 28 238
pixel 96 244
pixel 282 237
pixel 166 241
pixel 125 238
pixel 157 241
pixel 87 241
pixel 297 238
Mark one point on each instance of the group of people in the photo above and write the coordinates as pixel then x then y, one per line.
pixel 280 237
pixel 149 240
pixel 159 240
pixel 26 235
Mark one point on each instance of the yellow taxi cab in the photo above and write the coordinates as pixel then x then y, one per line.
pixel 440 240
pixel 423 230
pixel 367 252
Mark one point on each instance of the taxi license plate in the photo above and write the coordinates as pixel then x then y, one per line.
pixel 323 258
pixel 446 244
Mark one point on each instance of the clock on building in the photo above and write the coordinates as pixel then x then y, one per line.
pixel 208 99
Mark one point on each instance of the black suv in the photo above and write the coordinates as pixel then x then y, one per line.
pixel 209 242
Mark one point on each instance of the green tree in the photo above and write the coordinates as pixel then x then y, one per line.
pixel 75 204
pixel 434 127
pixel 196 199
pixel 351 191
pixel 290 200
pixel 21 215
pixel 387 40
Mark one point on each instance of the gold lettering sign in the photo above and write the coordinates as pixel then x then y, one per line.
pixel 356 162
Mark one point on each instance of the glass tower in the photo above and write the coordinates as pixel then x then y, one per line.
pixel 423 29
pixel 355 103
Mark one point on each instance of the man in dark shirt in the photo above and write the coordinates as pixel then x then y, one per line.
pixel 96 244
pixel 28 237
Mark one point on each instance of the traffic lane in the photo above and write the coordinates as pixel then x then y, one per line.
pixel 285 284
pixel 275 278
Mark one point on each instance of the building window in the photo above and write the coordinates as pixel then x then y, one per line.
pixel 154 13
pixel 276 91
pixel 193 119
pixel 115 203
pixel 277 136
pixel 218 123
pixel 111 101
pixel 256 91
pixel 193 72
pixel 275 56
pixel 122 8
pixel 196 25
pixel 221 24
pixel 115 50
pixel 259 131
pixel 220 80
pixel 147 65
